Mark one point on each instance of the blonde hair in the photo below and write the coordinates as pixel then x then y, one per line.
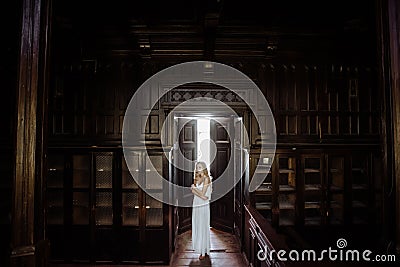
pixel 203 171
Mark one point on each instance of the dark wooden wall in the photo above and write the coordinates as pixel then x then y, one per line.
pixel 390 68
pixel 311 103
pixel 318 70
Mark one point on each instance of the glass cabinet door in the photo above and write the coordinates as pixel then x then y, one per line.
pixel 287 189
pixel 313 194
pixel 104 186
pixel 154 208
pixel 130 192
pixel 55 190
pixel 335 187
pixel 263 195
pixel 81 172
pixel 55 194
pixel 80 235
pixel 360 189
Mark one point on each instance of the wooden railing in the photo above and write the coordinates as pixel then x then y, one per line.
pixel 259 235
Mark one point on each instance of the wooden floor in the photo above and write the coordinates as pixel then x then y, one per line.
pixel 225 251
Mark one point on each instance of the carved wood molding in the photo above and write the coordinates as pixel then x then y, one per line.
pixel 177 96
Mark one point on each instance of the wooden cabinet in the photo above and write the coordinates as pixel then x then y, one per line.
pixel 287 186
pixel 335 187
pixel 97 212
pixel 263 198
pixel 316 187
pixel 361 188
pixel 312 187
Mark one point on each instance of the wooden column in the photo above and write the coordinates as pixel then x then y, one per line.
pixel 394 48
pixel 388 25
pixel 29 136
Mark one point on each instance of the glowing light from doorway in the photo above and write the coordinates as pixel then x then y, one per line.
pixel 203 140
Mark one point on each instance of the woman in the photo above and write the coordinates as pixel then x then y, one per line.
pixel 201 189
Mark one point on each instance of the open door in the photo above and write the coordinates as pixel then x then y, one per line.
pixel 188 145
pixel 222 209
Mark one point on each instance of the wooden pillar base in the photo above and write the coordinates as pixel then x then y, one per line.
pixel 31 256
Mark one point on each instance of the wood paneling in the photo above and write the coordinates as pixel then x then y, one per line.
pixel 97 212
pixel 321 103
pixel 317 70
pixel 187 145
pixel 222 209
pixel 394 31
pixel 30 134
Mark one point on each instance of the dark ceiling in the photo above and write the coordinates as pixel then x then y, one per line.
pixel 217 28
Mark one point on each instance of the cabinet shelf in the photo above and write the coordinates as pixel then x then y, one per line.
pixel 287 188
pixel 265 165
pixel 312 221
pixel 264 190
pixel 359 187
pixel 336 205
pixel 359 204
pixel 286 206
pixel 286 221
pixel 286 171
pixel 262 172
pixel 312 187
pixel 263 206
pixel 312 171
pixel 312 205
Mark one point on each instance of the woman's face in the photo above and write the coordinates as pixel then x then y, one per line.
pixel 199 167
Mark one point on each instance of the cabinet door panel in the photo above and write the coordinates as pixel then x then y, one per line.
pixel 80 208
pixel 104 167
pixel 154 211
pixel 81 166
pixel 312 169
pixel 130 209
pixel 104 208
pixel 335 189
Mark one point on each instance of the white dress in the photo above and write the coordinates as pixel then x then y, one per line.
pixel 201 222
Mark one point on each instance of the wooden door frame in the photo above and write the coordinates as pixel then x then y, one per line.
pixel 202 111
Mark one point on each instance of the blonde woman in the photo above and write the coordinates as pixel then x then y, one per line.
pixel 201 188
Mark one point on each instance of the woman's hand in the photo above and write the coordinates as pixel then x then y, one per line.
pixel 192 188
pixel 204 197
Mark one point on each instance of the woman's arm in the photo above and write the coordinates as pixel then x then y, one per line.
pixel 198 193
pixel 204 190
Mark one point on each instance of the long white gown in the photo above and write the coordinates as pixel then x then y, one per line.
pixel 201 222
